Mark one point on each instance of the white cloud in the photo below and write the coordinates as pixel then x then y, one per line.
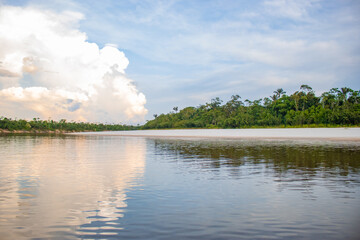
pixel 34 101
pixel 47 67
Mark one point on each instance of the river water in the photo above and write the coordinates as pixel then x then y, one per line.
pixel 127 187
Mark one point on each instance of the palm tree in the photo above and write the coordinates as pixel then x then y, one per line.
pixel 279 92
pixel 274 97
pixel 343 94
pixel 305 87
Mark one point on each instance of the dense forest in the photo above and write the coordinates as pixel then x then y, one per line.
pixel 37 125
pixel 337 107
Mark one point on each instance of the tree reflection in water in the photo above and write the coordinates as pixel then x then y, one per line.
pixel 288 162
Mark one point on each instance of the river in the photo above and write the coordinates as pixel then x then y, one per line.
pixel 105 186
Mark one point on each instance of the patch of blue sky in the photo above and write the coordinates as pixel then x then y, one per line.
pixel 27 81
pixel 73 107
pixel 14 2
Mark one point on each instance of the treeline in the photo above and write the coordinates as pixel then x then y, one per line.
pixel 337 107
pixel 63 126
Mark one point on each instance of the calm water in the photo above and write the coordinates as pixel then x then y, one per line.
pixel 114 187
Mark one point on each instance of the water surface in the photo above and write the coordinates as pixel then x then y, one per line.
pixel 118 187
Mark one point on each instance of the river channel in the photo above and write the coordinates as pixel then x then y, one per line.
pixel 144 187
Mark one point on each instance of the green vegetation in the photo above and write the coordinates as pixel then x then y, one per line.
pixel 37 125
pixel 338 107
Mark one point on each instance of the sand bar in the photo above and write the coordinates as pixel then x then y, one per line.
pixel 351 134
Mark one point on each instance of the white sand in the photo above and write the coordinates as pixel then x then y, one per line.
pixel 352 134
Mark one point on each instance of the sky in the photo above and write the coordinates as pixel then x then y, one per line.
pixel 126 60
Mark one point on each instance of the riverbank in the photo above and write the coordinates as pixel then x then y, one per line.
pixel 346 134
pixel 350 134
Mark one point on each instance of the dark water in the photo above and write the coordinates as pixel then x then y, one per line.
pixel 111 187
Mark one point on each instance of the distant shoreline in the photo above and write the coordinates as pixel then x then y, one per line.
pixel 6 131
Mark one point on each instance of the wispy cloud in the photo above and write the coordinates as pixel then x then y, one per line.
pixel 293 9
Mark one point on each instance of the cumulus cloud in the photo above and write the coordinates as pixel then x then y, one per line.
pixel 49 69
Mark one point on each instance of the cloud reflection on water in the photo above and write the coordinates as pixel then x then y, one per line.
pixel 50 185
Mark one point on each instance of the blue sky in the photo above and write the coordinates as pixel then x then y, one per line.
pixel 183 53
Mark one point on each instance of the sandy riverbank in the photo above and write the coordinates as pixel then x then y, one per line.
pixel 351 134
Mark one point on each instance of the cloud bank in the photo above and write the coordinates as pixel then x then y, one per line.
pixel 49 69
